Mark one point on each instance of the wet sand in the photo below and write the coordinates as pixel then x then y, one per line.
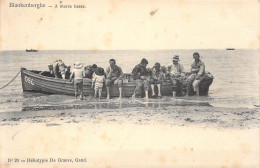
pixel 166 111
pixel 202 116
pixel 150 133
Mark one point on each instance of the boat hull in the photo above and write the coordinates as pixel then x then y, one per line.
pixel 34 82
pixel 203 85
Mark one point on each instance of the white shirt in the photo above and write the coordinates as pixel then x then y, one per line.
pixel 78 73
pixel 98 80
pixel 175 69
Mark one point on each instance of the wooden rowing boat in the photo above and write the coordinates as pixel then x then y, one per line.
pixel 37 81
pixel 42 81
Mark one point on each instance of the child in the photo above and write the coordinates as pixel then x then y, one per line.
pixel 98 81
pixel 77 74
pixel 156 79
pixel 165 74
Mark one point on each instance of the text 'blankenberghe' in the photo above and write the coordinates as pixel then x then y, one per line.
pixel 42 5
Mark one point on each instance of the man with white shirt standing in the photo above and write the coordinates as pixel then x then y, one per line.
pixel 176 71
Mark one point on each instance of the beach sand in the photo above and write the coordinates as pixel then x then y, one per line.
pixel 151 136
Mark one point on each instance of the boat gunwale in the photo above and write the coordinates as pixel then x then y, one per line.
pixel 66 81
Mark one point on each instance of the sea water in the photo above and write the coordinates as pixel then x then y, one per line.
pixel 235 84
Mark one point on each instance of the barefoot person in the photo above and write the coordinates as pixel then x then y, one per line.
pixel 197 73
pixel 141 78
pixel 114 75
pixel 98 81
pixel 77 75
pixel 176 72
pixel 156 79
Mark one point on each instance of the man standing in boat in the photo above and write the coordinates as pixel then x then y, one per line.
pixel 176 72
pixel 59 69
pixel 141 78
pixel 114 75
pixel 197 73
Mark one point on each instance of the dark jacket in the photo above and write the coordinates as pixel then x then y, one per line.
pixel 139 71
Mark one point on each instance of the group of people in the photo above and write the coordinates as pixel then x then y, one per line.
pixel 174 73
pixel 143 77
pixel 113 75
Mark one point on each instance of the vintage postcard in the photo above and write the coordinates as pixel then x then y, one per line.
pixel 127 83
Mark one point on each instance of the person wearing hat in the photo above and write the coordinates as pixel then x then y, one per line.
pixel 114 75
pixel 197 73
pixel 156 79
pixel 141 77
pixel 77 75
pixel 176 72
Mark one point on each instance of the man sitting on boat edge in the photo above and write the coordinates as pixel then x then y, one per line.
pixel 141 78
pixel 176 72
pixel 197 74
pixel 114 75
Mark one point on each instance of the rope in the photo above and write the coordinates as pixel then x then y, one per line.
pixel 10 81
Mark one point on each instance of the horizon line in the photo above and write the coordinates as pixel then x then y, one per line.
pixel 129 49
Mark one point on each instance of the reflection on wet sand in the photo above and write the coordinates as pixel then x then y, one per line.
pixel 58 102
pixel 187 111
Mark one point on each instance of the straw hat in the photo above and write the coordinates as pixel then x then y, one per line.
pixel 78 65
pixel 176 58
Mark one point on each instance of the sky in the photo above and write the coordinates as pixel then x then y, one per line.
pixel 131 25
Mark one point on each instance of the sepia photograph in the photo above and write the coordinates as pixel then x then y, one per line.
pixel 120 83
